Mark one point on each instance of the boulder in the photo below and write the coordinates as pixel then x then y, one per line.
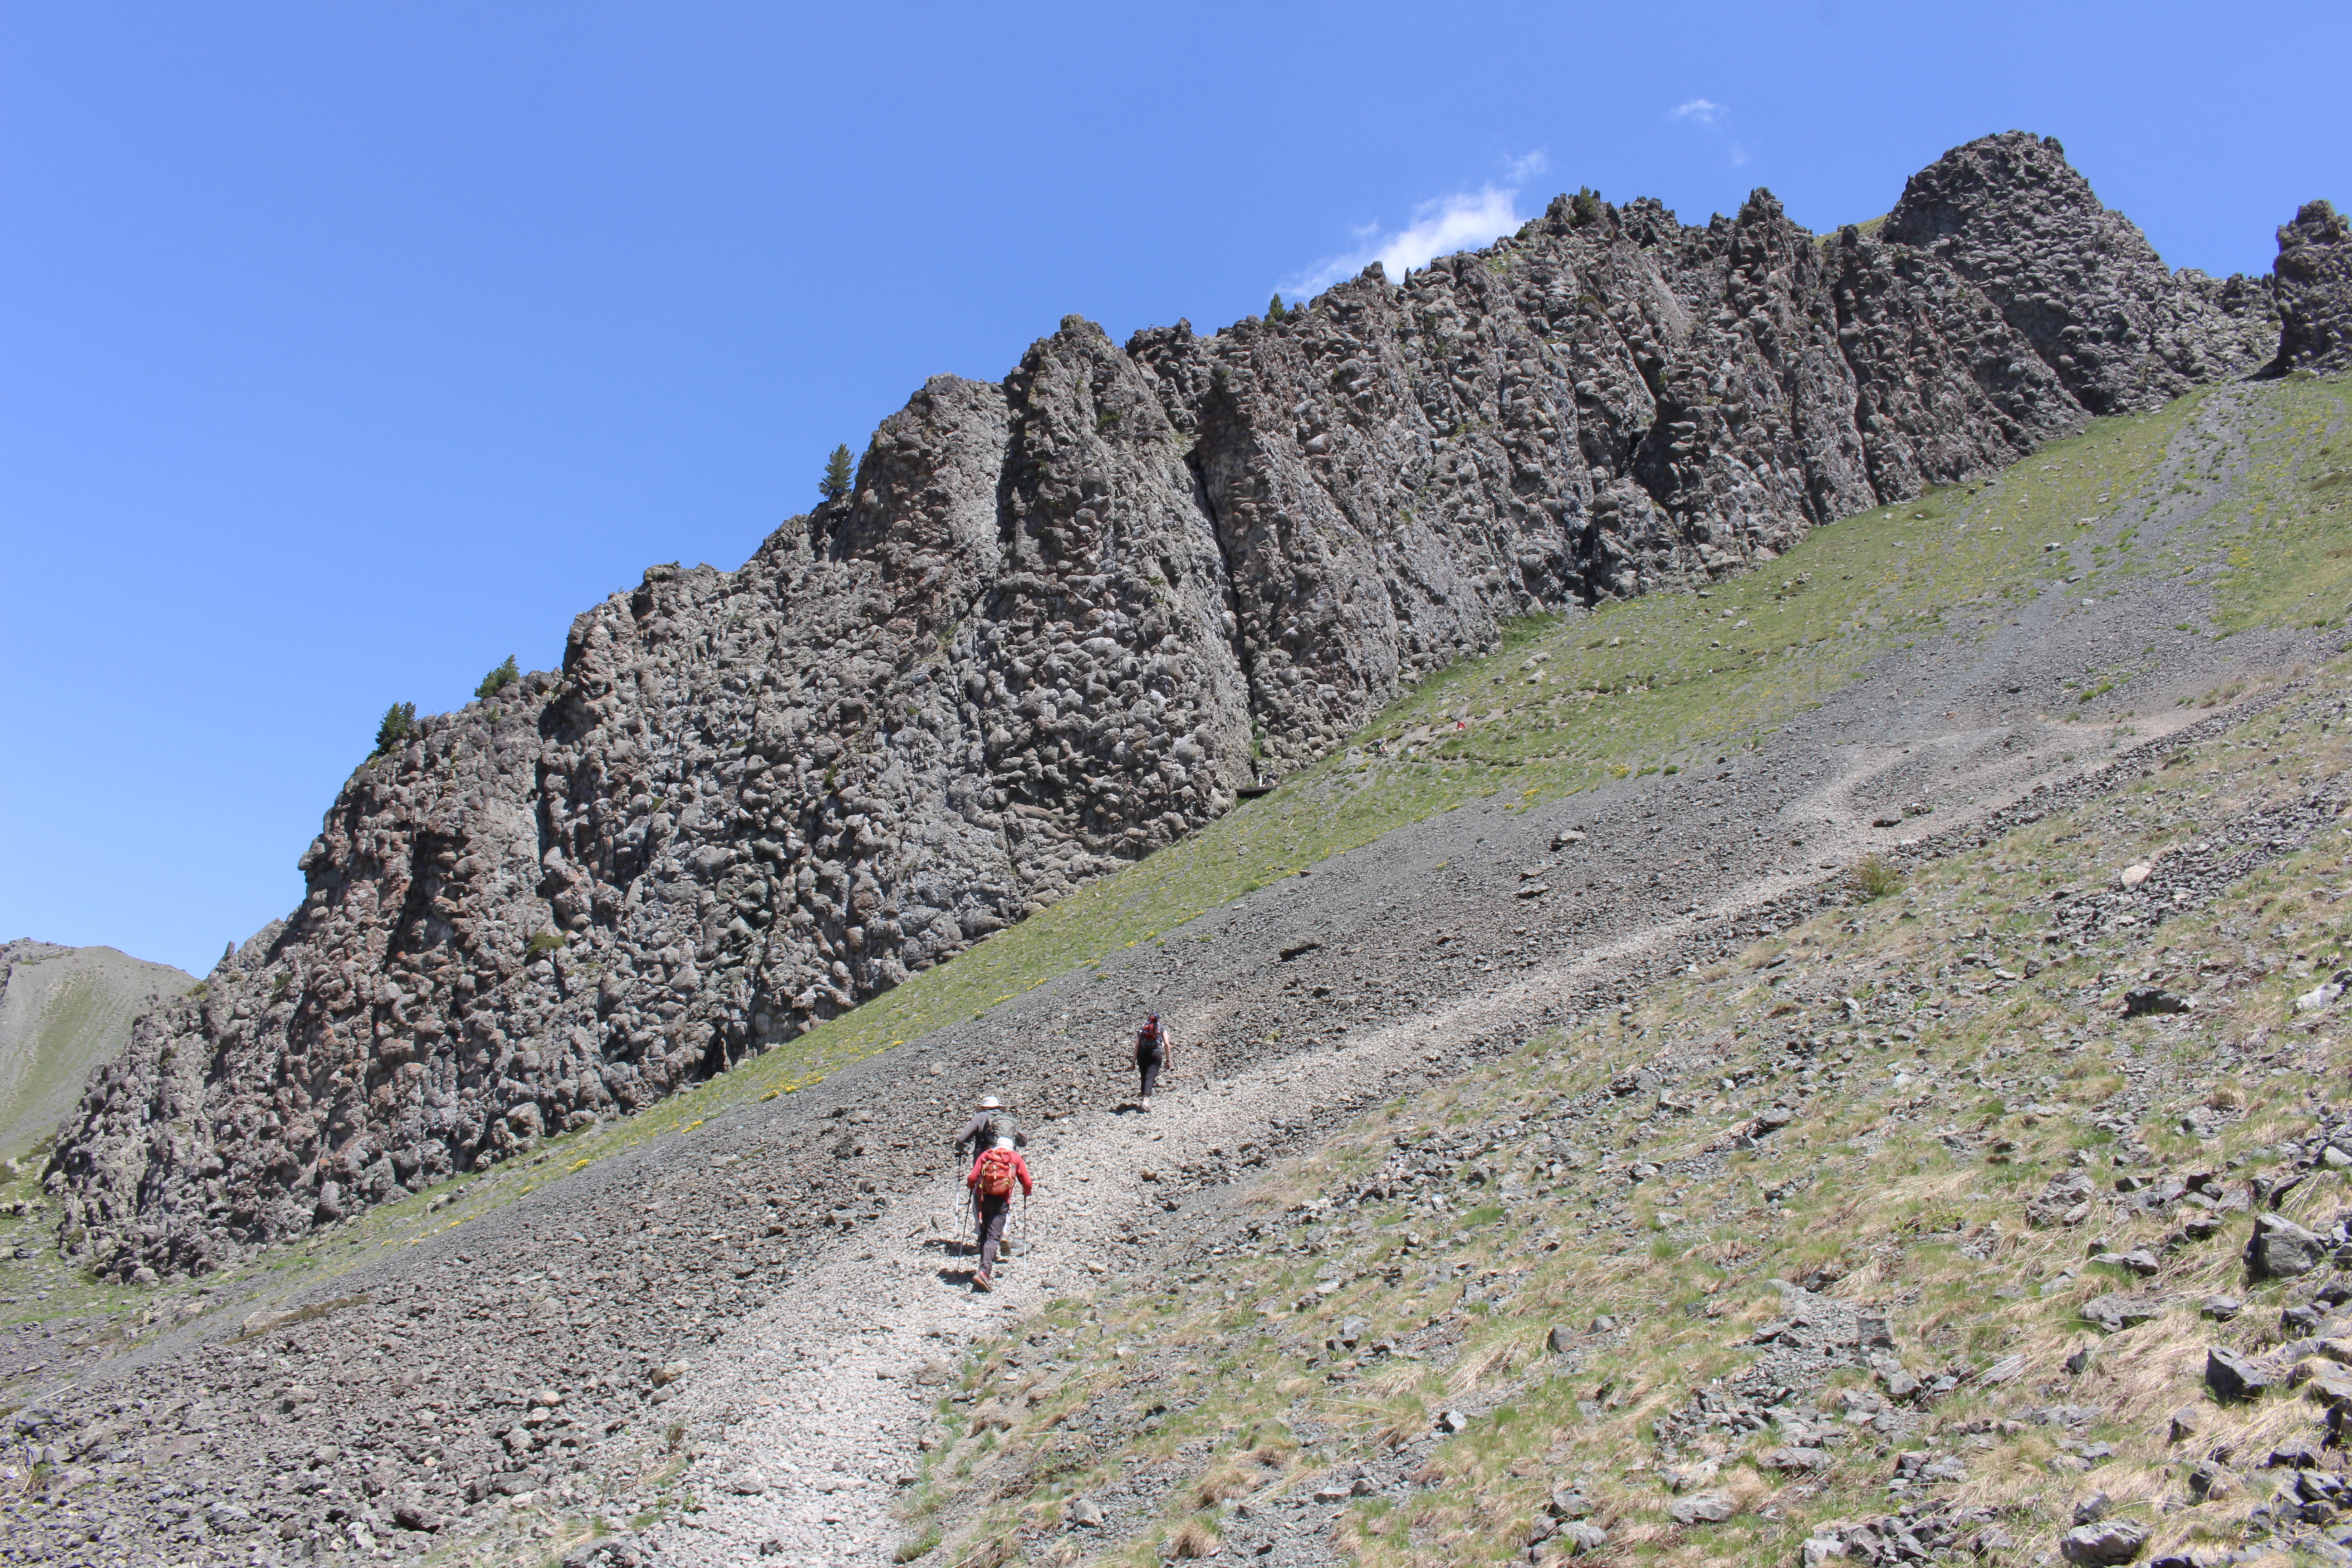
pixel 2153 1000
pixel 410 1515
pixel 1702 1508
pixel 1796 1461
pixel 2231 1376
pixel 2113 1313
pixel 2331 1386
pixel 1580 1536
pixel 2281 1249
pixel 2110 1541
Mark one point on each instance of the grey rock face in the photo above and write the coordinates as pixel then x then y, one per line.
pixel 2313 278
pixel 1054 624
pixel 2078 282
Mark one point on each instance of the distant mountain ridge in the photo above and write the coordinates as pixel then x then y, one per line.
pixel 64 1011
pixel 1056 622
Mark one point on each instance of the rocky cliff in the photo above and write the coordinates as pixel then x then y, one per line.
pixel 2314 274
pixel 1056 621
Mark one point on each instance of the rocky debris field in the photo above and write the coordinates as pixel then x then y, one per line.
pixel 592 1355
pixel 1058 621
pixel 1930 1223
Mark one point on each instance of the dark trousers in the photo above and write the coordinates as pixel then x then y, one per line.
pixel 993 1214
pixel 1148 1063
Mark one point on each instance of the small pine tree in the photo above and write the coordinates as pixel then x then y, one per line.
pixel 1586 205
pixel 397 721
pixel 838 472
pixel 1277 310
pixel 499 679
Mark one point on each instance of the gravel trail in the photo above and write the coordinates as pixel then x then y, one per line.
pixel 822 1395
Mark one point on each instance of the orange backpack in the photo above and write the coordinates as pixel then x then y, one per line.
pixel 995 1173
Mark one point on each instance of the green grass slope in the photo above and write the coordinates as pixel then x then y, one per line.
pixel 64 1011
pixel 1978 1146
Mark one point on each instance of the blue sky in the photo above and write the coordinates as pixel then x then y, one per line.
pixel 345 350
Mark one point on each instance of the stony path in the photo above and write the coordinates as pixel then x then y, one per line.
pixel 819 1423
pixel 823 1394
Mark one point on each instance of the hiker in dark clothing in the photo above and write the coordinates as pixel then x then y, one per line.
pixel 989 1122
pixel 1150 1054
pixel 993 1176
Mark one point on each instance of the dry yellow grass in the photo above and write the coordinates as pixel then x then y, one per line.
pixel 1476 1372
pixel 1192 1538
pixel 1220 1481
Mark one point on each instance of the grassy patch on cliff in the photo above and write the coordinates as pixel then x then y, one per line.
pixel 1989 1061
pixel 2288 529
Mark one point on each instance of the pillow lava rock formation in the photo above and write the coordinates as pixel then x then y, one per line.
pixel 1060 618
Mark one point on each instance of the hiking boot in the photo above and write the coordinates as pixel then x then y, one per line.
pixel 1146 1102
pixel 1004 1249
pixel 983 1282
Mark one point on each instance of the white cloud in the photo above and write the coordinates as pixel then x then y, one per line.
pixel 1458 221
pixel 1717 118
pixel 1526 167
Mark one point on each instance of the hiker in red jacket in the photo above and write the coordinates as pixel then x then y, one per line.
pixel 993 1176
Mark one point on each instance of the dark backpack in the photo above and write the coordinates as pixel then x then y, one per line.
pixel 1002 1128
